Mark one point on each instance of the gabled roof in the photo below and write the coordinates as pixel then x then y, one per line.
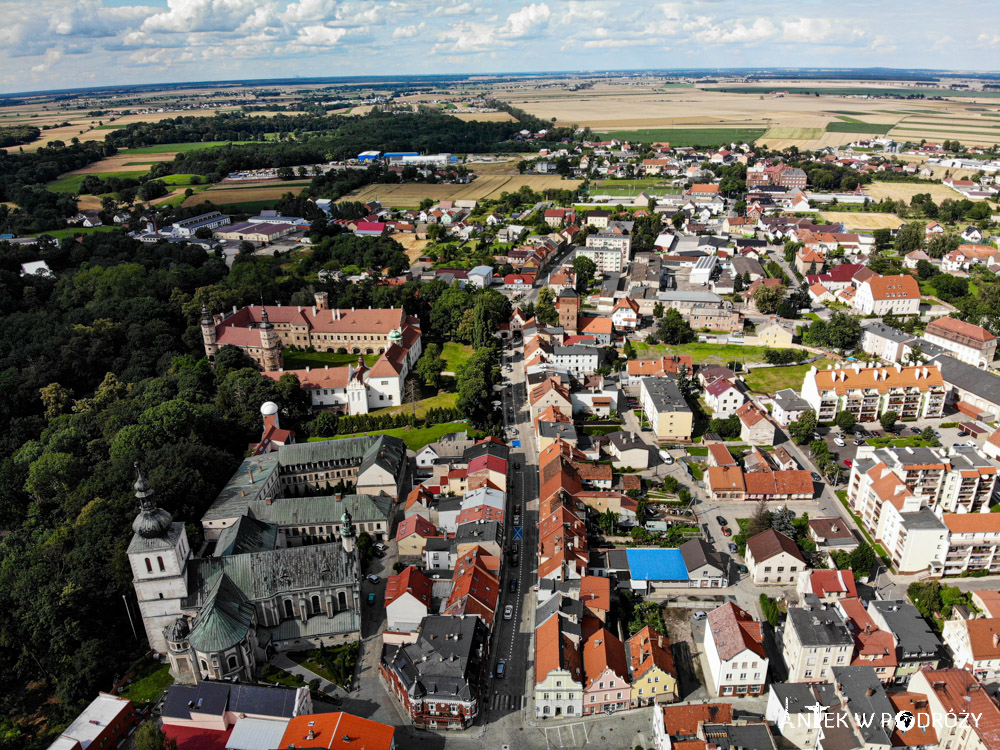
pixel 224 620
pixel 602 652
pixel 769 543
pixel 734 631
pixel 410 581
pixel 416 524
pixel 822 582
pixel 648 649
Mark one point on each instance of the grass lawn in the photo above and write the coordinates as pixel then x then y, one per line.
pixel 61 234
pixel 717 354
pixel 296 360
pixel 440 401
pixel 698 451
pixel 148 687
pixel 334 664
pixel 272 675
pixel 911 441
pixel 179 180
pixel 71 183
pixel 455 355
pixel 170 148
pixel 415 437
pixel 688 136
pixel 773 379
pixel 879 549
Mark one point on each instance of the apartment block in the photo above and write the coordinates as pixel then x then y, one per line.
pixel 869 392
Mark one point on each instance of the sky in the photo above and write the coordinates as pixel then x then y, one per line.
pixel 50 44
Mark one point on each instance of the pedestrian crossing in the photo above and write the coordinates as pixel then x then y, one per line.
pixel 505 702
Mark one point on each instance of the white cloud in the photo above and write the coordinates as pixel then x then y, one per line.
pixel 309 10
pixel 52 56
pixel 187 16
pixel 453 10
pixel 407 32
pixel 465 37
pixel 320 36
pixel 527 21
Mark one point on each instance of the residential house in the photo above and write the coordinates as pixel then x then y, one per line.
pixel 756 426
pixel 673 726
pixel 772 557
pixel 558 669
pixel 827 585
pixel 776 333
pixel 917 645
pixel 969 343
pixel 814 641
pixel 705 566
pixel 974 645
pixel 788 406
pixel 106 722
pixel 407 600
pixel 666 409
pixel 606 687
pixel 973 718
pixel 723 397
pixel 734 650
pixel 884 342
pixel 879 295
pixel 651 668
pixel 868 392
pixel 874 648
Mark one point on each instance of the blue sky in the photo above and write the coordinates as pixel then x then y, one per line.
pixel 48 44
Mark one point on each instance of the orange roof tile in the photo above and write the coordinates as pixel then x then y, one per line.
pixel 337 730
pixel 900 286
pixel 881 379
pixel 602 652
pixel 648 649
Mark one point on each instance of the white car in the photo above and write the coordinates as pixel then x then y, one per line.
pixel 508 612
pixel 971 443
pixel 839 442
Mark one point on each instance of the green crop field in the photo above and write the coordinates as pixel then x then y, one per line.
pixel 170 148
pixel 71 183
pixel 856 126
pixel 679 137
pixel 794 133
pixel 907 93
pixel 180 180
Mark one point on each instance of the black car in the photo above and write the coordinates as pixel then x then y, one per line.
pixel 721 521
pixel 513 584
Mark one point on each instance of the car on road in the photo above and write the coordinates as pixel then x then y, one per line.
pixel 971 443
pixel 839 442
pixel 733 547
pixel 517 465
pixel 699 615
pixel 859 441
pixel 371 599
pixel 517 520
pixel 744 570
pixel 372 578
pixel 508 612
pixel 721 521
pixel 848 463
pixel 501 666
pixel 668 460
pixel 513 584
pixel 817 436
pixel 517 508
pixel 726 531
pixel 816 477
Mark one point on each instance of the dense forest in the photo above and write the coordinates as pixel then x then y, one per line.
pixel 16 135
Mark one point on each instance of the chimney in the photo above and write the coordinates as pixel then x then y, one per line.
pixel 870 692
pixel 250 472
pixel 659 642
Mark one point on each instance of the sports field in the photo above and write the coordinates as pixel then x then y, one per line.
pixel 487 186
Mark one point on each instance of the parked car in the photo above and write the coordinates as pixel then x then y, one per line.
pixel 816 477
pixel 513 584
pixel 372 578
pixel 726 531
pixel 839 442
pixel 848 463
pixel 859 441
pixel 517 508
pixel 371 599
pixel 517 520
pixel 668 460
pixel 971 443
pixel 721 521
pixel 817 436
pixel 501 666
pixel 699 615
pixel 744 570
pixel 733 547
pixel 508 612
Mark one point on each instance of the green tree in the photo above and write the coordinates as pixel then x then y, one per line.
pixel 149 736
pixel 802 429
pixel 888 420
pixel 767 298
pixel 57 400
pixel 608 521
pixel 910 237
pixel 545 307
pixel 673 329
pixel 365 547
pixel 658 310
pixel 430 365
pixel 585 269
pixel 845 420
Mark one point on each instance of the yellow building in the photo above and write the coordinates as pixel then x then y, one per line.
pixel 666 409
pixel 652 668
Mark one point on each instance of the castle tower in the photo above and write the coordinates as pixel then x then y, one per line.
pixel 270 344
pixel 322 300
pixel 158 555
pixel 347 532
pixel 568 307
pixel 208 333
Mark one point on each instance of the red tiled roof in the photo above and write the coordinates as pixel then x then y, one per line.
pixel 409 580
pixel 685 720
pixel 734 630
pixel 337 730
pixel 769 543
pixel 415 525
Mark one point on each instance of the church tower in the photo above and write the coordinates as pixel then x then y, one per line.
pixel 347 532
pixel 208 333
pixel 270 344
pixel 158 553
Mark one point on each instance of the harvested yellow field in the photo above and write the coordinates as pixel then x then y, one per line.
pixel 827 139
pixel 798 134
pixel 488 186
pixel 505 167
pixel 482 116
pixel 124 163
pixel 905 191
pixel 414 248
pixel 66 134
pixel 268 192
pixel 854 220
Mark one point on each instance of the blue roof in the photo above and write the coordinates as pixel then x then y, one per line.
pixel 656 565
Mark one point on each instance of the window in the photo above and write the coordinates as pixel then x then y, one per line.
pixel 809 673
pixel 289 612
pixel 233 663
pixel 149 565
pixel 315 605
pixel 159 561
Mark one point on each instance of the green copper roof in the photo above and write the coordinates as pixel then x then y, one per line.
pixel 225 619
pixel 327 509
pixel 246 535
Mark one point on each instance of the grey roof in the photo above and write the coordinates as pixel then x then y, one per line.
pixel 216 698
pixel 617 559
pixel 665 394
pixel 152 544
pixel 575 350
pixel 819 625
pixel 864 694
pixel 744 737
pixel 679 296
pixel 446 504
pixel 476 532
pixel 343 622
pixel 438 544
pixel 878 328
pixel 325 509
pixel 445 662
pixel 564 430
pixel 486 448
pixel 698 553
pixel 914 638
pixel 922 519
pixel 567 606
pixel 246 535
pixel 232 499
pixel 262 575
pixel 968 378
pixel 715 242
pixel 747 265
pixel 789 400
pixel 624 441
pixel 251 733
pixel 796 696
pixel 385 450
pixel 225 619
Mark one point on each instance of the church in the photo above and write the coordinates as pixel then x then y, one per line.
pixel 222 614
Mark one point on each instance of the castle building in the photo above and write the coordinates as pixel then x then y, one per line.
pixel 220 615
pixel 262 331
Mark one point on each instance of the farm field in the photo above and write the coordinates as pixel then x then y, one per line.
pixel 414 248
pixel 124 162
pixel 855 220
pixel 798 134
pixel 906 190
pixel 487 186
pixel 857 126
pixel 482 116
pixel 71 183
pixel 245 195
pixel 688 136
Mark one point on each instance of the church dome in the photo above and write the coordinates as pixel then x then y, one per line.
pixel 177 631
pixel 395 336
pixel 152 523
